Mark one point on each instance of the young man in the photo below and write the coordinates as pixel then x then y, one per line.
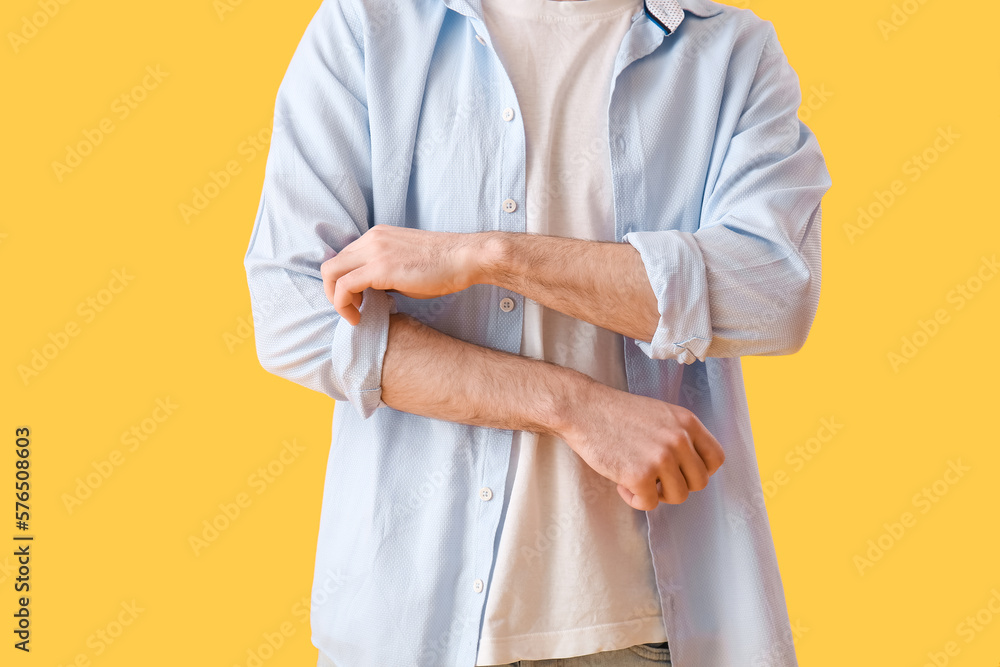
pixel 523 244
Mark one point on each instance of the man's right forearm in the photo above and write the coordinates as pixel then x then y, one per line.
pixel 429 373
pixel 653 450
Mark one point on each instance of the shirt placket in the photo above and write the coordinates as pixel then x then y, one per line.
pixel 504 317
pixel 505 310
pixel 627 175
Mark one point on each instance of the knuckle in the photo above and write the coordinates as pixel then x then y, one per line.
pixel 718 458
pixel 381 232
pixel 664 458
pixel 676 441
pixel 677 496
pixel 686 418
pixel 631 480
pixel 698 482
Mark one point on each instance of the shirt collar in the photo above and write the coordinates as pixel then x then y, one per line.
pixel 668 13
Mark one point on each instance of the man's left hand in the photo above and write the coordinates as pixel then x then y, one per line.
pixel 417 263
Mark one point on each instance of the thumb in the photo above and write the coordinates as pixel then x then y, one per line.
pixel 636 501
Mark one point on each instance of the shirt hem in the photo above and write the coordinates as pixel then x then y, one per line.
pixel 559 644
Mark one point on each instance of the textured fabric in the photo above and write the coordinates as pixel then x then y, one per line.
pixel 667 13
pixel 573 574
pixel 391 113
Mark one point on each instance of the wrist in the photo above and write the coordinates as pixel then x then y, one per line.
pixel 491 257
pixel 572 395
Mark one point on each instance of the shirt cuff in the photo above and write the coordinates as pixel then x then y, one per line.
pixel 676 272
pixel 358 351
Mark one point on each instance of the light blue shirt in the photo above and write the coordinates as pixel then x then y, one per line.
pixel 391 113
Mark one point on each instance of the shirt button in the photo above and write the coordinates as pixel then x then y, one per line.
pixel 479 38
pixel 508 114
pixel 477 585
pixel 509 205
pixel 485 493
pixel 506 305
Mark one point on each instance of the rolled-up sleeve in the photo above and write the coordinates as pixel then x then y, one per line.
pixel 316 199
pixel 747 281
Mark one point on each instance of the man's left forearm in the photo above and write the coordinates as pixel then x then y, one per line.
pixel 600 282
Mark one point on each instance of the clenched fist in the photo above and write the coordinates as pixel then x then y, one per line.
pixel 655 451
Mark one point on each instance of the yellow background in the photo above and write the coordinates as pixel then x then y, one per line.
pixel 174 332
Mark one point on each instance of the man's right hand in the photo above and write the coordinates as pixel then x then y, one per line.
pixel 655 451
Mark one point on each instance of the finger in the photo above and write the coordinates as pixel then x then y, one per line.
pixel 659 491
pixel 348 288
pixel 674 486
pixel 692 467
pixel 332 269
pixel 695 473
pixel 708 448
pixel 645 499
pixel 625 494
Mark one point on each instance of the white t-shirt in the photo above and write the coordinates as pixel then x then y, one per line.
pixel 574 574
